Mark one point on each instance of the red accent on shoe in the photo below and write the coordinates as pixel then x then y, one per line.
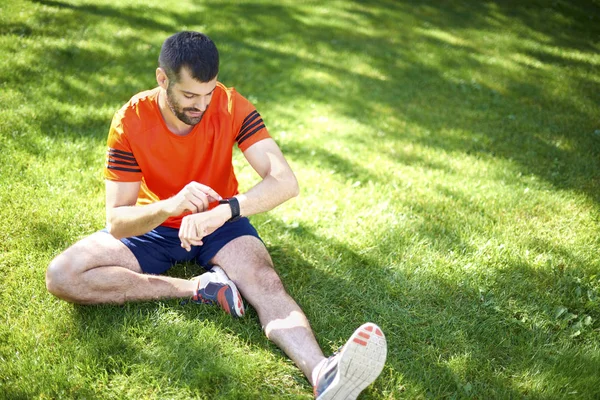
pixel 369 328
pixel 361 342
pixel 364 335
pixel 222 299
pixel 379 333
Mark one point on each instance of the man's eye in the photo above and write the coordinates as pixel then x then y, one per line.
pixel 188 96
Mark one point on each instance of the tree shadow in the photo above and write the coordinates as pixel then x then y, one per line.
pixel 431 319
pixel 524 123
pixel 140 17
pixel 545 133
pixel 168 339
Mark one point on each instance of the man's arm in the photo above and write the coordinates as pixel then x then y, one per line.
pixel 125 219
pixel 278 184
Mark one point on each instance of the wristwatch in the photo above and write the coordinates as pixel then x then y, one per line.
pixel 234 204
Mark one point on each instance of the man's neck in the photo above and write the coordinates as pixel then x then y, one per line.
pixel 174 124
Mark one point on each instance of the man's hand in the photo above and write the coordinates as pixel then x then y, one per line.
pixel 194 227
pixel 194 197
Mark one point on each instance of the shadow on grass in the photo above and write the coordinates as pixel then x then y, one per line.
pixel 446 337
pixel 127 15
pixel 547 133
pixel 136 339
pixel 167 342
pixel 175 342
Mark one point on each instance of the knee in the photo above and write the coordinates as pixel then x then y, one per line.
pixel 59 276
pixel 269 281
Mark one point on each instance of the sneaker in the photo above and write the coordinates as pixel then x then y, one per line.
pixel 354 367
pixel 220 290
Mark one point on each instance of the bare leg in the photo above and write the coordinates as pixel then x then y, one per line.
pixel 249 265
pixel 101 269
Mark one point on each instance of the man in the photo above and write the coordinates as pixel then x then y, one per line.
pixel 172 196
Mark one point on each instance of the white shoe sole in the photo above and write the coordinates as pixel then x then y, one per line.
pixel 361 361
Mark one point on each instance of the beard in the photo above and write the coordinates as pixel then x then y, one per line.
pixel 180 112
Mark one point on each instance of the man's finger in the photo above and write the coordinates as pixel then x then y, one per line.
pixel 196 205
pixel 183 235
pixel 195 242
pixel 185 244
pixel 200 199
pixel 208 191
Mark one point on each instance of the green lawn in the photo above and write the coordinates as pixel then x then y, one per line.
pixel 448 157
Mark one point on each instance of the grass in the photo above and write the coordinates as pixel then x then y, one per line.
pixel 448 159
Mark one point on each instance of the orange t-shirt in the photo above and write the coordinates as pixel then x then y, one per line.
pixel 141 147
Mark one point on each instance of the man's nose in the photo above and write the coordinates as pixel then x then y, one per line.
pixel 201 104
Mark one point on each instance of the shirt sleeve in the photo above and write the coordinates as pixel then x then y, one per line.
pixel 249 127
pixel 121 164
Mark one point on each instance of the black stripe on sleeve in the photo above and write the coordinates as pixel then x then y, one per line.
pixel 113 161
pixel 250 120
pixel 120 157
pixel 123 169
pixel 250 117
pixel 125 153
pixel 258 128
pixel 249 128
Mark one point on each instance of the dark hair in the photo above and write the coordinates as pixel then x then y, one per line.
pixel 193 50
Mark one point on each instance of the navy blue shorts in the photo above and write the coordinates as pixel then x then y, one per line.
pixel 160 249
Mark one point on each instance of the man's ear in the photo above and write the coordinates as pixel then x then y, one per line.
pixel 161 78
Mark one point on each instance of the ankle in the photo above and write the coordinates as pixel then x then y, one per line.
pixel 316 370
pixel 194 286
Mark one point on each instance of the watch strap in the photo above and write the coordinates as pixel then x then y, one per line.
pixel 234 204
